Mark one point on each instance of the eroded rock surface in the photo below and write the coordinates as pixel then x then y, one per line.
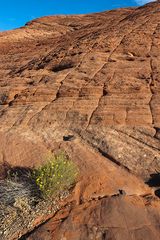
pixel 109 218
pixel 88 84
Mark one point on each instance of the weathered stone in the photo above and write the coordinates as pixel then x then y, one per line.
pixel 95 78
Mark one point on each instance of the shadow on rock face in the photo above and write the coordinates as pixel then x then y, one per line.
pixel 69 138
pixel 157 193
pixel 154 181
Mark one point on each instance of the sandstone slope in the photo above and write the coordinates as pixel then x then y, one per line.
pixel 88 84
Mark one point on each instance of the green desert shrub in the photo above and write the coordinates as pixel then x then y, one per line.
pixel 58 174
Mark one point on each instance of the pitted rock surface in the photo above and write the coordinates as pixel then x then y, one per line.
pixel 90 85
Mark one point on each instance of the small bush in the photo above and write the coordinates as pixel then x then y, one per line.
pixel 57 175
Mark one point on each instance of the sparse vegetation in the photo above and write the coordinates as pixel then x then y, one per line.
pixel 24 192
pixel 53 179
pixel 57 175
pixel 17 183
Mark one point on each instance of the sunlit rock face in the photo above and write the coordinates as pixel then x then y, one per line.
pixel 90 85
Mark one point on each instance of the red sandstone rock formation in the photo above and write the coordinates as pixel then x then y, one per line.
pixel 95 77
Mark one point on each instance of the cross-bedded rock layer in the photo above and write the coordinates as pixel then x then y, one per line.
pixel 96 78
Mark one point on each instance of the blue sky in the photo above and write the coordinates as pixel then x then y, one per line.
pixel 15 13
